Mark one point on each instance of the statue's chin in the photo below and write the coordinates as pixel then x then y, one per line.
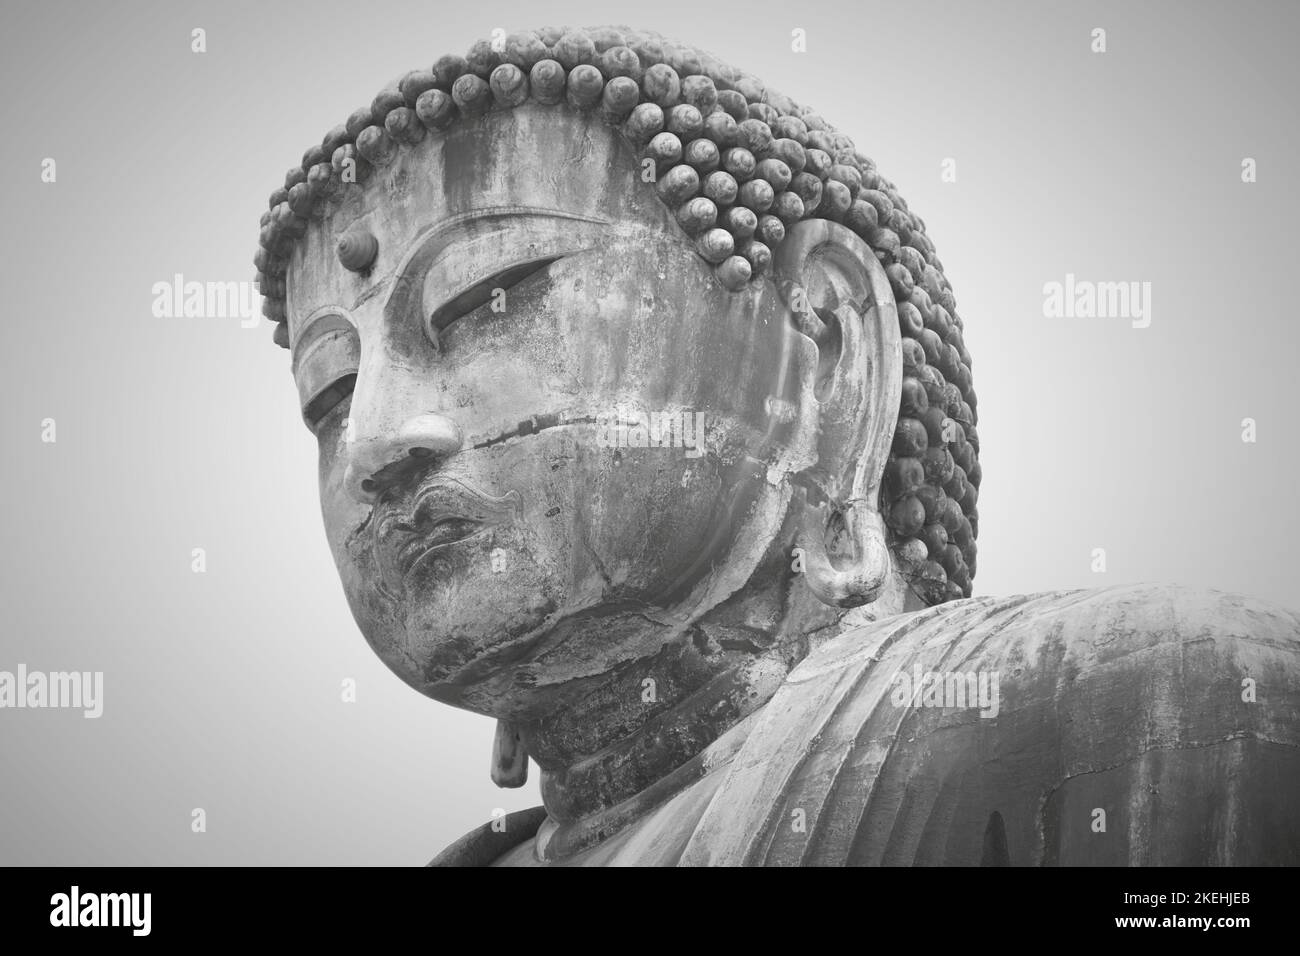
pixel 504 646
pixel 528 635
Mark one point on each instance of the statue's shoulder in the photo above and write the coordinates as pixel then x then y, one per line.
pixel 993 731
pixel 488 843
pixel 1150 725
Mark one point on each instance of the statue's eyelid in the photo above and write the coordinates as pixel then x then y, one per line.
pixel 326 361
pixel 328 399
pixel 484 290
pixel 477 236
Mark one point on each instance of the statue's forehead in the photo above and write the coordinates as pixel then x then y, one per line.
pixel 530 159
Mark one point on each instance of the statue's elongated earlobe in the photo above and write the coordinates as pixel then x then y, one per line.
pixel 509 758
pixel 855 578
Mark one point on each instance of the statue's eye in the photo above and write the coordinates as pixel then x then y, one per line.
pixel 325 363
pixel 328 400
pixel 484 291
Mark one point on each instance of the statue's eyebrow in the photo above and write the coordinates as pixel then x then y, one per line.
pixel 408 281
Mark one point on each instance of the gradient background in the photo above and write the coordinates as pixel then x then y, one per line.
pixel 222 690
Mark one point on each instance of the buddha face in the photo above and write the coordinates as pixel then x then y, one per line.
pixel 542 421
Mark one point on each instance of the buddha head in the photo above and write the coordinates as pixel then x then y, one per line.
pixel 600 340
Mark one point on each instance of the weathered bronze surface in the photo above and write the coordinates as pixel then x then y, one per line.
pixel 621 411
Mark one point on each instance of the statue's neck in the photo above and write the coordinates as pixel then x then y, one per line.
pixel 634 738
pixel 623 742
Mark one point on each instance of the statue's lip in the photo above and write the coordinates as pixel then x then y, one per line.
pixel 443 511
pixel 444 532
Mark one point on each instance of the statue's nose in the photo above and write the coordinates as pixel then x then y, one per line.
pixel 422 436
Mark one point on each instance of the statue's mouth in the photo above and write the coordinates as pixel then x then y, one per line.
pixel 442 512
pixel 445 531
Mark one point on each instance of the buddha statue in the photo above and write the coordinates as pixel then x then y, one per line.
pixel 647 427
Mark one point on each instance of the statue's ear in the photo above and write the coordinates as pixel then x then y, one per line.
pixel 839 297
